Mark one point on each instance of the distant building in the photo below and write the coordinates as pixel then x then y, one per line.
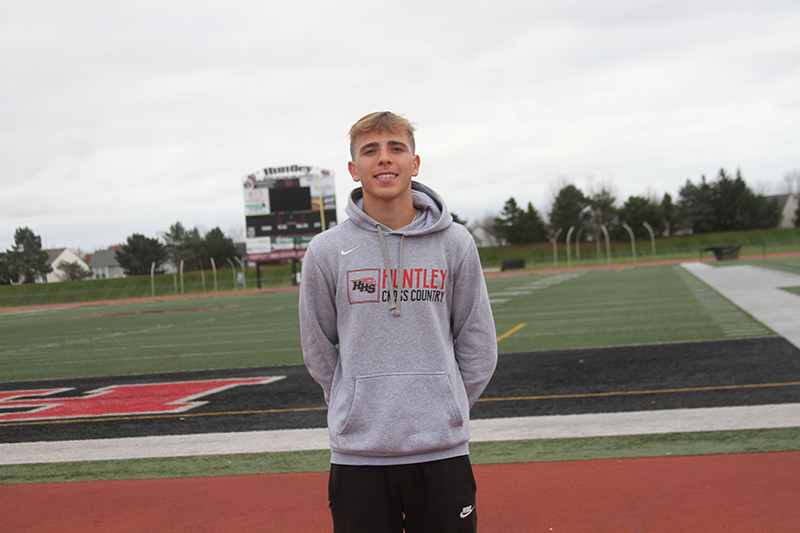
pixel 104 264
pixel 55 259
pixel 788 205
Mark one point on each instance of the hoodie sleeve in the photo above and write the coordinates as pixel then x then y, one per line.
pixel 318 332
pixel 473 326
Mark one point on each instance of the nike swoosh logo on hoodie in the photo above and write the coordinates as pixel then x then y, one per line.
pixel 350 250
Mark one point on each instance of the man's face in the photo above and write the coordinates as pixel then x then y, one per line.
pixel 384 165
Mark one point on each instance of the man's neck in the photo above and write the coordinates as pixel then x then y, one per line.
pixel 394 215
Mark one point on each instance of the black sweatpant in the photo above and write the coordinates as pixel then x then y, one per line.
pixel 434 497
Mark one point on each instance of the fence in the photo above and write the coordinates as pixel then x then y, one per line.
pixel 622 253
pixel 139 290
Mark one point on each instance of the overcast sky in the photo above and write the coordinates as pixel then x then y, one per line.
pixel 125 117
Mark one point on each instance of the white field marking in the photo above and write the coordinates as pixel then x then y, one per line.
pixel 579 309
pixel 483 430
pixel 527 289
pixel 79 338
pixel 730 319
pixel 758 292
pixel 163 347
pixel 509 293
pixel 611 331
pixel 637 423
pixel 612 313
pixel 151 357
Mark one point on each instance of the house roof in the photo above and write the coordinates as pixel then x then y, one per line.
pixel 782 199
pixel 104 258
pixel 53 254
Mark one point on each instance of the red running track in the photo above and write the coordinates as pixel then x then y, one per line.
pixel 725 493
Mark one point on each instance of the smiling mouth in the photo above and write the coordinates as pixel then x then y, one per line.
pixel 385 177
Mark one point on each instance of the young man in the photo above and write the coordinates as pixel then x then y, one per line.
pixel 397 329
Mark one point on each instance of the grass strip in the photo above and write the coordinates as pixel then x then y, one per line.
pixel 522 451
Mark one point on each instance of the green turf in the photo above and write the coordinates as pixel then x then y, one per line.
pixel 618 307
pixel 521 451
pixel 92 290
pixel 655 304
pixel 204 333
pixel 793 290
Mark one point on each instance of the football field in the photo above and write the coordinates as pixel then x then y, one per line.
pixel 614 364
pixel 533 313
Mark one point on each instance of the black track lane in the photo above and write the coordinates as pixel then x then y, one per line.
pixel 752 371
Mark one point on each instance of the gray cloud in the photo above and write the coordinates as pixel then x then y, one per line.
pixel 122 118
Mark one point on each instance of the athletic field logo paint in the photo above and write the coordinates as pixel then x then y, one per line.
pixel 118 400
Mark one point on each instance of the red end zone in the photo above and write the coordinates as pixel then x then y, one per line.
pixel 731 493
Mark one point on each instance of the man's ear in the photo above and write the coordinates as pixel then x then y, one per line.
pixel 351 166
pixel 415 171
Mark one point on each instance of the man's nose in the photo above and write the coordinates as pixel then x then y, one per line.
pixel 385 156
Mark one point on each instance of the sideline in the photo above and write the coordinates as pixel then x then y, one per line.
pixel 757 291
pixel 482 430
pixel 624 266
pixel 147 299
pixel 488 274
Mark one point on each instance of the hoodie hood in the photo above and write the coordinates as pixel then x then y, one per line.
pixel 433 214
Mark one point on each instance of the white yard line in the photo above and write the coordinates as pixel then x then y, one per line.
pixel 757 292
pixel 485 430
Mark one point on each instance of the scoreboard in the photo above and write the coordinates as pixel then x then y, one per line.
pixel 284 208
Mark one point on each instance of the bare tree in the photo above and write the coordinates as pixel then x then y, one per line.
pixel 791 182
pixel 483 230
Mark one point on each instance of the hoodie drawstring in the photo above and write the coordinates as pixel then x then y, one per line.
pixel 394 295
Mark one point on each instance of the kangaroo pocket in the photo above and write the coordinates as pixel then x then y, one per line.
pixel 402 414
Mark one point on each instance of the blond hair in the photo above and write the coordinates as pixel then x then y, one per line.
pixel 379 122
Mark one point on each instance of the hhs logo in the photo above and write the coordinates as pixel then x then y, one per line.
pixel 362 285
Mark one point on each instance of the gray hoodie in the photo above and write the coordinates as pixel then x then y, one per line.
pixel 397 329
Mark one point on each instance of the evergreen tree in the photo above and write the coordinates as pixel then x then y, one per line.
pixel 669 213
pixel 507 224
pixel 638 210
pixel 183 245
pixel 26 260
pixel 570 208
pixel 695 209
pixel 139 253
pixel 457 219
pixel 5 273
pixel 727 204
pixel 216 245
pixel 518 226
pixel 601 211
pixel 534 227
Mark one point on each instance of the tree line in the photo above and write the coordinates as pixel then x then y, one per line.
pixel 25 260
pixel 137 255
pixel 725 203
